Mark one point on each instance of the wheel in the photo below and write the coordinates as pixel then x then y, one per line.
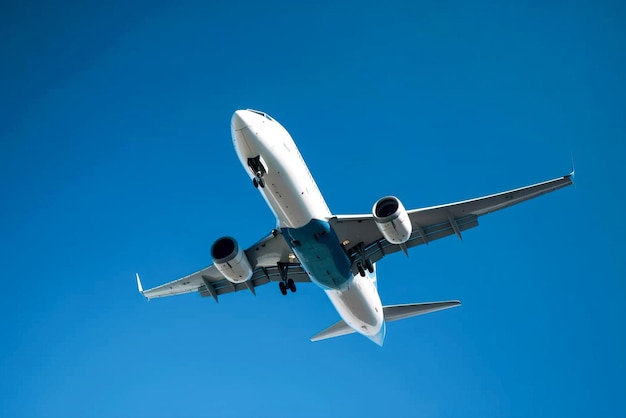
pixel 255 182
pixel 369 266
pixel 291 285
pixel 283 288
pixel 361 270
pixel 261 182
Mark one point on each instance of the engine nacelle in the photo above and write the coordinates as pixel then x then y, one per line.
pixel 392 220
pixel 230 260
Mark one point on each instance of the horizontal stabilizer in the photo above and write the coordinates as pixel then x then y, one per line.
pixel 392 313
pixel 336 330
pixel 397 312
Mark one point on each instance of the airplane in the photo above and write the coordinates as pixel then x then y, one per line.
pixel 336 252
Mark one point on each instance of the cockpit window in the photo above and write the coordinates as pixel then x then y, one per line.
pixel 265 115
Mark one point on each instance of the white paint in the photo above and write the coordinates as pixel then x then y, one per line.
pixel 290 191
pixel 395 227
pixel 360 307
pixel 295 200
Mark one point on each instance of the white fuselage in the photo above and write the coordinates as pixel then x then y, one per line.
pixel 265 147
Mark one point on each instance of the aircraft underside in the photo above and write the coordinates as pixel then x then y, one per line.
pixel 336 252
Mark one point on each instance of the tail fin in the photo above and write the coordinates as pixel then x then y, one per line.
pixel 392 313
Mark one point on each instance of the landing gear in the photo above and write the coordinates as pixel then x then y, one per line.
pixel 363 262
pixel 359 267
pixel 256 181
pixel 285 283
pixel 261 181
pixel 289 285
pixel 259 170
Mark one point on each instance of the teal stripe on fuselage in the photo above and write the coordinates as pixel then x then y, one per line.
pixel 317 247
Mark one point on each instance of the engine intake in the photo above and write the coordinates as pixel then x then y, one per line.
pixel 392 220
pixel 230 260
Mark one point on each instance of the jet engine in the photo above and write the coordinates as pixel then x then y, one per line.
pixel 230 260
pixel 392 220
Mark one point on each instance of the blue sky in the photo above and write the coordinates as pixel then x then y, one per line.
pixel 116 158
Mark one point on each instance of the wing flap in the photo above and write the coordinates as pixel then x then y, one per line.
pixel 487 204
pixel 261 276
pixel 264 256
pixel 381 248
pixel 187 284
pixel 434 222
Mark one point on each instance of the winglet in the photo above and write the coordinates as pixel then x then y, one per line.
pixel 139 286
pixel 570 176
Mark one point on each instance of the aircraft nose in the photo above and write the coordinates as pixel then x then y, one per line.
pixel 240 120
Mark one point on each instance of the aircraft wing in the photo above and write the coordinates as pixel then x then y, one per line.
pixel 270 258
pixel 432 223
